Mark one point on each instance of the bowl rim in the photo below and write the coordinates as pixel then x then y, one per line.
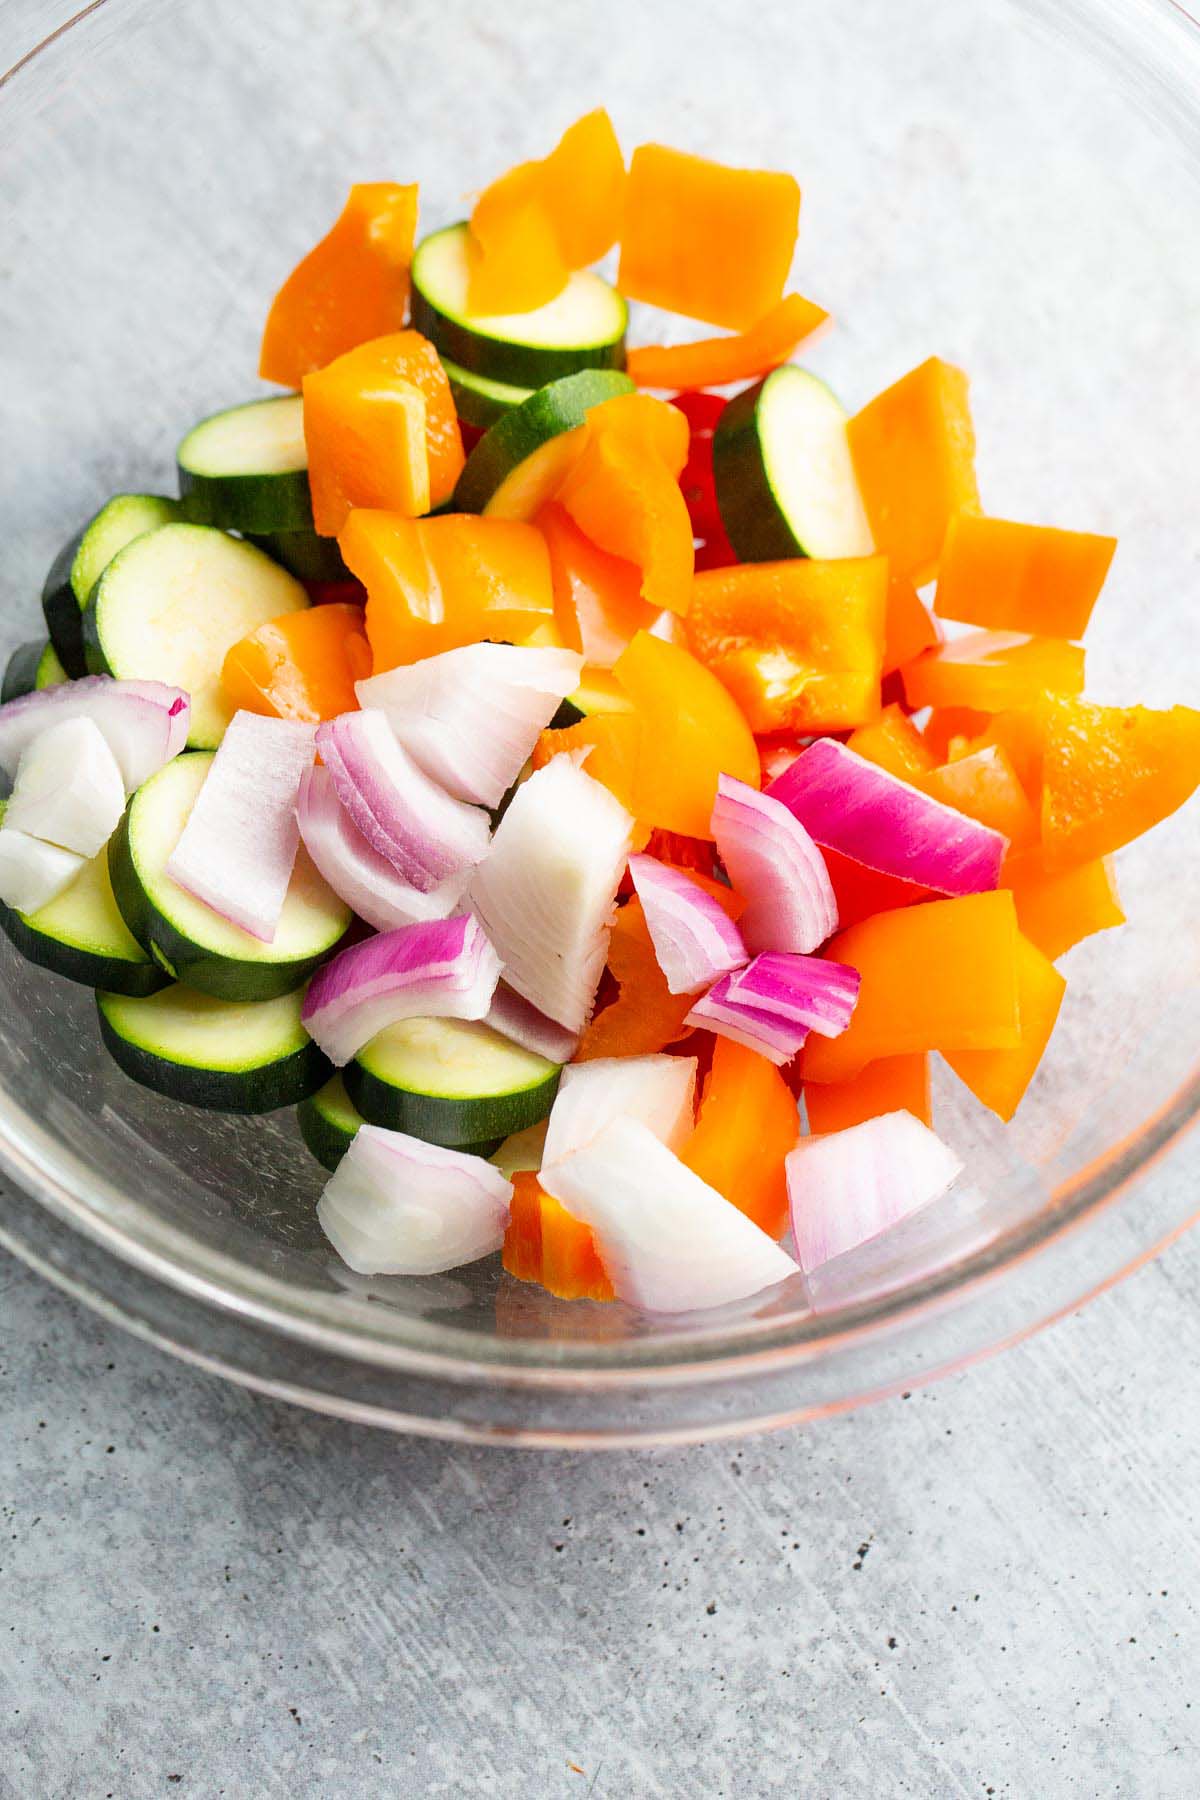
pixel 351 1327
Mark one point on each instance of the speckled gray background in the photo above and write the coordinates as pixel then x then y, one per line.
pixel 987 1588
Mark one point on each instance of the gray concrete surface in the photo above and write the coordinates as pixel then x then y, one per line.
pixel 988 1588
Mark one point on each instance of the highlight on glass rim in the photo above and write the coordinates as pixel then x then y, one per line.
pixel 556 749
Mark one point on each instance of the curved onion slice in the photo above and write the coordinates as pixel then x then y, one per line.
pixel 694 939
pixel 849 1186
pixel 867 813
pixel 445 969
pixel 69 791
pixel 668 1241
pixel 807 990
pixel 513 1015
pixel 397 1206
pixel 776 868
pixel 547 892
pixel 775 1038
pixel 658 1090
pixel 238 848
pixel 356 872
pixel 145 723
pixel 427 837
pixel 32 873
pixel 470 717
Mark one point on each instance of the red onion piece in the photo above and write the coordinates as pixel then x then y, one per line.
pixel 427 837
pixel 366 881
pixel 515 1018
pixel 660 1091
pixel 238 848
pixel 776 868
pixel 398 1206
pixel 806 990
pixel 145 723
pixel 776 1038
pixel 470 717
pixel 547 892
pixel 694 939
pixel 445 969
pixel 865 812
pixel 669 1242
pixel 848 1187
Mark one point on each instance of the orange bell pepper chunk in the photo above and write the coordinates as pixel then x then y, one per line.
pixel 914 453
pixel 302 666
pixel 896 745
pixel 949 730
pixel 702 239
pixel 583 189
pixel 613 742
pixel 597 597
pixel 1057 911
pixel 861 892
pixel 799 644
pixel 643 422
pixel 645 1017
pixel 991 671
pixel 545 1243
pixel 434 584
pixel 714 361
pixel 692 733
pixel 984 785
pixel 1110 773
pixel 625 497
pixel 908 626
pixel 746 1126
pixel 514 261
pixel 351 287
pixel 942 976
pixel 1000 1077
pixel 1011 577
pixel 381 431
pixel 1021 734
pixel 892 1084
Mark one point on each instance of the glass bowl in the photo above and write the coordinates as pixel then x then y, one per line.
pixel 1010 185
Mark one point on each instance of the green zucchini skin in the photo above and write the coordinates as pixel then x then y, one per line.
pixel 31 667
pixel 754 522
pixel 208 970
pixel 457 1124
pixel 549 413
pixel 267 1088
pixel 513 363
pixel 416 1102
pixel 568 714
pixel 249 500
pixel 304 555
pixel 83 559
pixel 84 967
pixel 478 401
pixel 329 1123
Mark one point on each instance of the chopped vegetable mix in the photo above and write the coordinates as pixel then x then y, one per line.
pixel 558 789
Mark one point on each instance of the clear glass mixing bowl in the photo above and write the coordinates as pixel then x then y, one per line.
pixel 1011 184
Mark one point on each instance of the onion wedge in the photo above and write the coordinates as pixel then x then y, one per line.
pixel 398 1206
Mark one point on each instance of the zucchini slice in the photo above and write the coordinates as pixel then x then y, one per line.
pixel 305 555
pixel 784 478
pixel 520 462
pixel 246 469
pixel 81 935
pixel 83 559
pixel 221 1054
pixel 451 1081
pixel 186 937
pixel 478 401
pixel 598 692
pixel 581 328
pixel 171 605
pixel 31 666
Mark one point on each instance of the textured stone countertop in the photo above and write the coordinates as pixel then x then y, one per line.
pixel 988 1588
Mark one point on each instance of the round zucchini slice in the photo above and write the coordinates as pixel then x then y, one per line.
pixel 478 401
pixel 520 462
pixel 451 1081
pixel 221 1054
pixel 187 938
pixel 83 559
pixel 246 469
pixel 31 666
pixel 784 478
pixel 581 328
pixel 329 1122
pixel 171 605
